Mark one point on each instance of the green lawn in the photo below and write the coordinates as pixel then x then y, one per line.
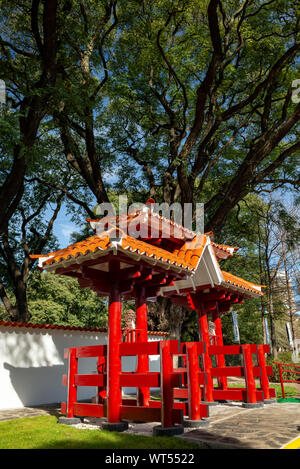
pixel 44 432
pixel 290 391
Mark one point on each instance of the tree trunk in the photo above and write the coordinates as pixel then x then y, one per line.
pixel 264 334
pixel 165 316
pixel 291 312
pixel 273 327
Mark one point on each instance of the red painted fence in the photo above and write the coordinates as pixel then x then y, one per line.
pixel 281 371
pixel 248 371
pixel 166 411
pixel 193 381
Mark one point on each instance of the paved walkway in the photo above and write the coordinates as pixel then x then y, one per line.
pixel 234 427
pixel 10 414
pixel 231 425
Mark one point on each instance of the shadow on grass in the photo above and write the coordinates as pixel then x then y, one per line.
pixel 101 439
pixel 119 443
pixel 104 440
pixel 43 432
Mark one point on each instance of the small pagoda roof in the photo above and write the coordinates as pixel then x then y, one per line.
pixel 223 251
pixel 240 285
pixel 185 259
pixel 152 224
pixel 209 275
pixel 191 259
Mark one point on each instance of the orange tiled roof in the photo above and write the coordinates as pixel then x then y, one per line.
pixel 30 325
pixel 163 225
pixel 225 247
pixel 187 257
pixel 242 284
pixel 226 251
pixel 148 219
pixel 103 330
pixel 82 248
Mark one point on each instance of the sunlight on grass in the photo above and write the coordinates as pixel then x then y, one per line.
pixel 44 432
pixel 290 391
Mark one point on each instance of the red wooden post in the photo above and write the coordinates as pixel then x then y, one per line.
pixel 249 376
pixel 114 394
pixel 101 391
pixel 194 391
pixel 281 380
pixel 184 375
pixel 220 359
pixel 264 381
pixel 204 337
pixel 143 395
pixel 183 364
pixel 166 368
pixel 72 389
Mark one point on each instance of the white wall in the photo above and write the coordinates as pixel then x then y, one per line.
pixel 32 364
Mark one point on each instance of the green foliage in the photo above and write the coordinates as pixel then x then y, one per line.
pixel 160 59
pixel 190 329
pixel 123 107
pixel 56 299
pixel 249 318
pixel 283 357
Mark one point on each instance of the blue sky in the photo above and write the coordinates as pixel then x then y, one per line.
pixel 63 227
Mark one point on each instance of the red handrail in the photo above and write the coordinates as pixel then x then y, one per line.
pixel 282 380
pixel 131 335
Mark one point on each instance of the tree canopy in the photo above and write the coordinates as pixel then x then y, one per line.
pixel 184 100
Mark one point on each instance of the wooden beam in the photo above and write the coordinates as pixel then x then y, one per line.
pixel 127 286
pixel 180 300
pixel 224 306
pixel 93 274
pixel 89 410
pixel 89 380
pixel 213 296
pixel 129 273
pixel 210 306
pixel 91 351
pixel 151 292
pixel 74 268
pixel 140 380
pixel 85 283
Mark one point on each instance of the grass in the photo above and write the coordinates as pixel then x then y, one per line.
pixel 43 432
pixel 290 391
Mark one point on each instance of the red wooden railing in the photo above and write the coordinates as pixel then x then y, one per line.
pixel 165 411
pixel 250 393
pixel 72 380
pixel 192 381
pixel 281 371
pixel 131 335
